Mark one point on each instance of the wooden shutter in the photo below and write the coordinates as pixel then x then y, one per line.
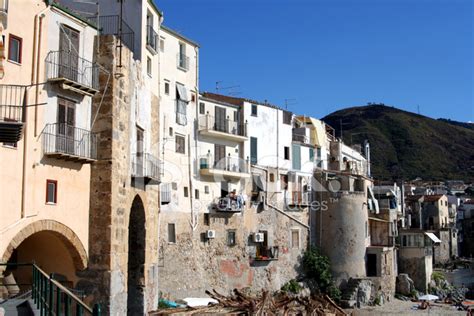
pixel 253 150
pixel 219 156
pixel 220 119
pixel 296 159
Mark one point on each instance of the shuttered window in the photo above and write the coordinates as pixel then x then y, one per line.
pixel 296 159
pixel 253 150
pixel 180 144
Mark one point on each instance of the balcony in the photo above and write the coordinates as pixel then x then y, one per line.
pixel 300 138
pixel 72 72
pixel 229 205
pixel 228 167
pixel 224 129
pixel 267 253
pixel 4 12
pixel 112 25
pixel 147 167
pixel 182 62
pixel 151 39
pixel 297 199
pixel 12 112
pixel 63 141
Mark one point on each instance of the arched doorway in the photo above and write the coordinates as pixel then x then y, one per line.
pixel 53 246
pixel 136 259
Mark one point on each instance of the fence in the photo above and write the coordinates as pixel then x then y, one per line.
pixel 51 297
pixel 61 138
pixel 112 25
pixel 67 65
pixel 209 122
pixel 145 165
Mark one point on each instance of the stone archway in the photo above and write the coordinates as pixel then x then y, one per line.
pixel 136 258
pixel 62 232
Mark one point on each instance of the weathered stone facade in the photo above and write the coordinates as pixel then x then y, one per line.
pixel 195 263
pixel 120 208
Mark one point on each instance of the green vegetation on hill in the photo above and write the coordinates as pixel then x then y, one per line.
pixel 405 145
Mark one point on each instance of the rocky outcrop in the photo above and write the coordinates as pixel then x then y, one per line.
pixel 404 284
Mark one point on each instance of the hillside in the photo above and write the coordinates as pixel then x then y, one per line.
pixel 405 145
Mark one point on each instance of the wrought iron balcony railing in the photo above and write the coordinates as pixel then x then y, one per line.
pixel 209 123
pixel 182 61
pixel 68 142
pixel 146 166
pixel 112 25
pixel 231 164
pixel 12 102
pixel 231 205
pixel 74 71
pixel 151 38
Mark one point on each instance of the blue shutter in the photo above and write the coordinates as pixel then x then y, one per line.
pixel 253 150
pixel 296 157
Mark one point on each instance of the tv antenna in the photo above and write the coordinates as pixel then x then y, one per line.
pixel 219 88
pixel 290 102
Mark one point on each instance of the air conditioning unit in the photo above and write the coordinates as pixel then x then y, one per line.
pixel 258 237
pixel 210 234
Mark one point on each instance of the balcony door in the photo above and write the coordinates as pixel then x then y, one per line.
pixel 65 126
pixel 68 53
pixel 140 158
pixel 219 156
pixel 220 119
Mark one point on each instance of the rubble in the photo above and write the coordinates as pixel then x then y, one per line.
pixel 265 304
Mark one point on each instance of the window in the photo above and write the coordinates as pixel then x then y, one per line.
pixel 311 154
pixel 193 98
pixel 171 131
pixel 167 87
pixel 236 116
pixel 253 150
pixel 171 233
pixel 272 177
pixel 162 45
pixel 295 238
pixel 287 117
pixel 254 110
pixel 284 182
pixel 181 104
pixel 165 193
pixel 174 186
pixel 186 191
pixel 202 108
pixel 14 48
pixel 180 144
pixel 207 220
pixel 286 153
pixel 206 189
pixel 148 66
pixel 182 58
pixel 51 191
pixel 231 240
pixel 196 194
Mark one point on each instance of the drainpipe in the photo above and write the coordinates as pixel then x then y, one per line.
pixel 36 30
pixel 40 32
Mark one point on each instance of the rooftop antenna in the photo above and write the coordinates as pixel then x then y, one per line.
pixel 218 88
pixel 97 11
pixel 290 102
pixel 340 125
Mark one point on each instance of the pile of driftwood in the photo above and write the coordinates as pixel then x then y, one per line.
pixel 267 304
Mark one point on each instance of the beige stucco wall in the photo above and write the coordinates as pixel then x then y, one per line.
pixel 72 207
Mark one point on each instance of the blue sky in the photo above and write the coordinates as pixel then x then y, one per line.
pixel 325 55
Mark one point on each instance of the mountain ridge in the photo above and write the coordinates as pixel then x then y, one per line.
pixel 406 145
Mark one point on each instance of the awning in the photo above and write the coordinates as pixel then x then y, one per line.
pixel 259 180
pixel 433 237
pixel 182 92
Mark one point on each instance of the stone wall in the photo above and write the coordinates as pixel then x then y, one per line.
pixel 442 251
pixel 112 193
pixel 419 268
pixel 194 263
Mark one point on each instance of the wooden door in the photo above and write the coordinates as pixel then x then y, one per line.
pixel 219 156
pixel 65 127
pixel 220 119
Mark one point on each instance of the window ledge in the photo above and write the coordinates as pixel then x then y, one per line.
pixel 50 203
pixel 14 62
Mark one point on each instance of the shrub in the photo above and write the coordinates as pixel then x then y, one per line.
pixel 437 277
pixel 291 287
pixel 318 268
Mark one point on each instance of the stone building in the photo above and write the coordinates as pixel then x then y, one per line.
pixel 49 78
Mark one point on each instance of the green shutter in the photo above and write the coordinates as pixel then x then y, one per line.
pixel 311 154
pixel 253 150
pixel 296 157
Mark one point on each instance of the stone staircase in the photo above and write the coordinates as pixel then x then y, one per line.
pixel 21 305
